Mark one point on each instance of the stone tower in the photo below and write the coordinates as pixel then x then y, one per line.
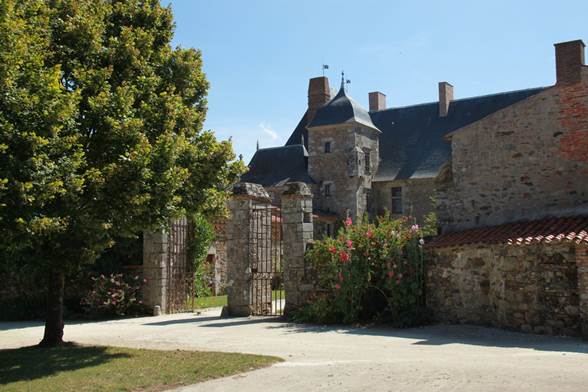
pixel 343 156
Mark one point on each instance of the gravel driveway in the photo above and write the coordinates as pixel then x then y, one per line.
pixel 434 358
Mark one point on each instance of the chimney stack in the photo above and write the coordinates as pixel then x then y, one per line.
pixel 445 98
pixel 377 101
pixel 569 60
pixel 319 93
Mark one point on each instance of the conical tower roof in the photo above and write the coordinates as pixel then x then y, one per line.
pixel 342 109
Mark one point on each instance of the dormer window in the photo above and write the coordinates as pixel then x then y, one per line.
pixel 327 147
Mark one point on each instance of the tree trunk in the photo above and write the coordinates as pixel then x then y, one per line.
pixel 54 319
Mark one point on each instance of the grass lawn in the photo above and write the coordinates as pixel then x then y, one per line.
pixel 221 300
pixel 90 368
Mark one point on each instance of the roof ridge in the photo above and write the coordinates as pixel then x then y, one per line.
pixel 462 99
pixel 277 147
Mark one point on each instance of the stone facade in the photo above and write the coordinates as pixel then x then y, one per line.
pixel 526 161
pixel 343 170
pixel 417 198
pixel 541 288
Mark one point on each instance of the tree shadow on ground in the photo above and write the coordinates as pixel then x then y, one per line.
pixel 442 334
pixel 29 363
pixel 191 320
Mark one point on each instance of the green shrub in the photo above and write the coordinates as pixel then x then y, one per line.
pixel 368 273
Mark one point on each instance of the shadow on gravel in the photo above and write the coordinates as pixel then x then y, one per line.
pixel 438 335
pixel 195 320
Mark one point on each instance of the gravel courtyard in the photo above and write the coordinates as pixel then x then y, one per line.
pixel 434 358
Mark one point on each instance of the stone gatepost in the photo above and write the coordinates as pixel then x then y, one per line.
pixel 155 254
pixel 582 263
pixel 297 228
pixel 239 246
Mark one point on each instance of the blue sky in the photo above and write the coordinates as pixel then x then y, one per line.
pixel 259 54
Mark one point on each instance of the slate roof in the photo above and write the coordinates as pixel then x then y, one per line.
pixel 412 143
pixel 548 230
pixel 278 165
pixel 341 109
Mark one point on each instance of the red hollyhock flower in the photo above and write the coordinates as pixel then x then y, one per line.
pixel 369 234
pixel 337 286
pixel 390 274
pixel 349 244
pixel 333 250
pixel 348 222
pixel 343 256
pixel 341 279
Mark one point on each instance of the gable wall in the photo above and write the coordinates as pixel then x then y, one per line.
pixel 527 161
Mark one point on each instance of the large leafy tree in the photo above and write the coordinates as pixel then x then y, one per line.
pixel 100 133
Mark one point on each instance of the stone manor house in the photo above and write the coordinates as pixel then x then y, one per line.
pixel 475 161
pixel 506 174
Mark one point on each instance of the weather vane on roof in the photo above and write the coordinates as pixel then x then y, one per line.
pixel 325 66
pixel 344 81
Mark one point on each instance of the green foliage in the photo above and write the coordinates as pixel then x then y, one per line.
pixel 114 295
pixel 100 129
pixel 203 237
pixel 369 272
pixel 203 279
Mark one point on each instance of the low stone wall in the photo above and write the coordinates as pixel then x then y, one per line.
pixel 531 288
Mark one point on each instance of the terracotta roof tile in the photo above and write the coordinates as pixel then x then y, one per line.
pixel 548 230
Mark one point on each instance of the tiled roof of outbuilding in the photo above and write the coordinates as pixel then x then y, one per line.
pixel 548 230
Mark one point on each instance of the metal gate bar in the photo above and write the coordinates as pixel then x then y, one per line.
pixel 179 267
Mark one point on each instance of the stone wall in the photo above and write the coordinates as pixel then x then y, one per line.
pixel 527 161
pixel 298 234
pixel 537 288
pixel 417 197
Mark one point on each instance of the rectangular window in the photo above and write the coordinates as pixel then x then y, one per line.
pixel 329 229
pixel 367 160
pixel 327 147
pixel 327 189
pixel 397 200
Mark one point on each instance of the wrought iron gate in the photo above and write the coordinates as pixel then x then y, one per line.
pixel 179 268
pixel 265 256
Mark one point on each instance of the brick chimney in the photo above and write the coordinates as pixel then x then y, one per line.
pixel 569 60
pixel 319 93
pixel 445 98
pixel 377 101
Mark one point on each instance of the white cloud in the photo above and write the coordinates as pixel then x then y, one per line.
pixel 273 135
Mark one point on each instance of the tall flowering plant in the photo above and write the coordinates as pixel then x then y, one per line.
pixel 368 272
pixel 114 295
